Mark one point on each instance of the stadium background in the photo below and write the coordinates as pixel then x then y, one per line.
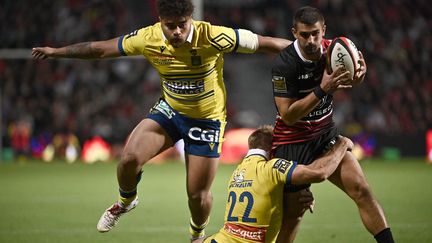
pixel 390 112
pixel 70 102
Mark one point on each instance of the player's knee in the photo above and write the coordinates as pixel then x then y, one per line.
pixel 362 193
pixel 129 160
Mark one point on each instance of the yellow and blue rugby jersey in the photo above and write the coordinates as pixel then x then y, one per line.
pixel 255 196
pixel 191 75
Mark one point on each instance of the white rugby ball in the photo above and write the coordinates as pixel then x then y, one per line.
pixel 343 53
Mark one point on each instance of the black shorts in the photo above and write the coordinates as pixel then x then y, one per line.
pixel 305 153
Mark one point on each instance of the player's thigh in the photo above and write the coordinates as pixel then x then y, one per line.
pixel 200 172
pixel 349 176
pixel 147 140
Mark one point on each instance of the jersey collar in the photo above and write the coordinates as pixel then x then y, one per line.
pixel 257 152
pixel 189 38
pixel 297 48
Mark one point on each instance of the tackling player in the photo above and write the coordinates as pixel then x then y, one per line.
pixel 304 125
pixel 188 55
pixel 255 191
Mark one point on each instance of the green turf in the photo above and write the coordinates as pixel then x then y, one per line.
pixel 62 203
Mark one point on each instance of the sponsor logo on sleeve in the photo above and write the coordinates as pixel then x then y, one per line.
pixel 279 84
pixel 281 165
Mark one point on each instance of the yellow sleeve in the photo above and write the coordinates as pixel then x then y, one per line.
pixel 223 38
pixel 132 43
pixel 282 170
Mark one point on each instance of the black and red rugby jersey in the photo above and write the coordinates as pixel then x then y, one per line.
pixel 295 77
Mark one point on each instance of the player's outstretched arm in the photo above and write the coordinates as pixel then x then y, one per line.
pixel 321 168
pixel 272 44
pixel 250 42
pixel 84 50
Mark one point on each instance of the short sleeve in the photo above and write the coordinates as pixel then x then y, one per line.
pixel 284 78
pixel 132 43
pixel 224 39
pixel 282 170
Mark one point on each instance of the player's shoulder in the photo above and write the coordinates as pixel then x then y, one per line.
pixel 148 33
pixel 222 38
pixel 286 60
pixel 280 165
pixel 198 24
pixel 211 30
pixel 287 56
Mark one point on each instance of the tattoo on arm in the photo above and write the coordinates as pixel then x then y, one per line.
pixel 81 50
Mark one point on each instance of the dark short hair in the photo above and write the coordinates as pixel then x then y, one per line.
pixel 261 138
pixel 175 8
pixel 307 15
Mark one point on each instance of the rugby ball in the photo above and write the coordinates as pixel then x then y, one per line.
pixel 343 53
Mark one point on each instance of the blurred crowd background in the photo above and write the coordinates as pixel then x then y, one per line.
pixel 63 102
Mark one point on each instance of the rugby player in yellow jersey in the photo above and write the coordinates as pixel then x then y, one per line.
pixel 188 55
pixel 255 191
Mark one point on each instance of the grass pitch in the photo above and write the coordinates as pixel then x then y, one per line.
pixel 62 203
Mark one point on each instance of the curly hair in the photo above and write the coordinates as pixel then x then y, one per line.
pixel 261 138
pixel 175 8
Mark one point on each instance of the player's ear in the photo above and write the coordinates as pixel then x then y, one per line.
pixel 294 32
pixel 324 29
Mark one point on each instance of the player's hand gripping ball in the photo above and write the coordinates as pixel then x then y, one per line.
pixel 343 53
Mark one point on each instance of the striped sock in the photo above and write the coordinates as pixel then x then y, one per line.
pixel 197 231
pixel 126 197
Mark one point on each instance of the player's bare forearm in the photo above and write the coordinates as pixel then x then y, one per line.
pixel 83 50
pixel 272 44
pixel 292 110
pixel 321 168
pixel 328 163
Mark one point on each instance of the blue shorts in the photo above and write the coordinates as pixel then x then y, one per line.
pixel 202 137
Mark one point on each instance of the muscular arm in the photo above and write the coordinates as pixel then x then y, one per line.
pixel 272 44
pixel 84 50
pixel 320 169
pixel 292 110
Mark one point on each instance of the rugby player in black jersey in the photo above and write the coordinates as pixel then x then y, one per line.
pixel 304 126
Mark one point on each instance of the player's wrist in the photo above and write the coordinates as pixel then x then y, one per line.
pixel 319 92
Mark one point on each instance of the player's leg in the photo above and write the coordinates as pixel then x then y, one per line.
pixel 146 141
pixel 203 141
pixel 200 173
pixel 293 211
pixel 350 178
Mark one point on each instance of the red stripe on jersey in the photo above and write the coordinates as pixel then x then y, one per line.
pixel 299 132
pixel 302 131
